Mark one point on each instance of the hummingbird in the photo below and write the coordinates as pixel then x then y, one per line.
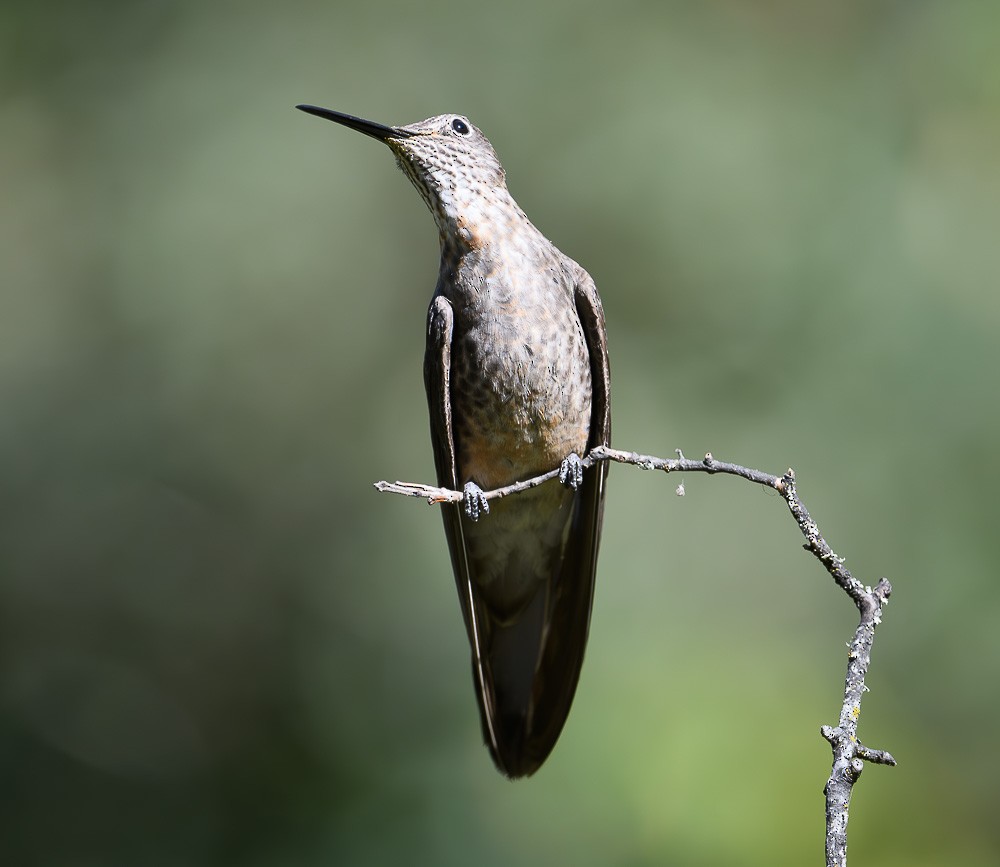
pixel 518 383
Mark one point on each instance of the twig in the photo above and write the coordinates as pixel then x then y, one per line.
pixel 849 755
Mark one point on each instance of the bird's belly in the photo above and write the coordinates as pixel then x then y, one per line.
pixel 516 549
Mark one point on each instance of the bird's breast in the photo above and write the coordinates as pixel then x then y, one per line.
pixel 521 381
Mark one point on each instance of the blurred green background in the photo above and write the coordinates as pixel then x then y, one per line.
pixel 221 647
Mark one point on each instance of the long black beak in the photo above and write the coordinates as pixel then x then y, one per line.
pixel 368 127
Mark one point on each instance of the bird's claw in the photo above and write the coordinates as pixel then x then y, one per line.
pixel 571 471
pixel 474 501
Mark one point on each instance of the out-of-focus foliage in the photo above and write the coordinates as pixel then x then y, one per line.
pixel 220 646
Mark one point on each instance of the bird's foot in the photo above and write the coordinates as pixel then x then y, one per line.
pixel 474 500
pixel 571 471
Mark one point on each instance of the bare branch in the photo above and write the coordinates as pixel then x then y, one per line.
pixel 849 755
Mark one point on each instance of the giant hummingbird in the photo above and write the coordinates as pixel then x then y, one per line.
pixel 517 379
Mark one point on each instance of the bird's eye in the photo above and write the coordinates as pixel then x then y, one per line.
pixel 460 126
